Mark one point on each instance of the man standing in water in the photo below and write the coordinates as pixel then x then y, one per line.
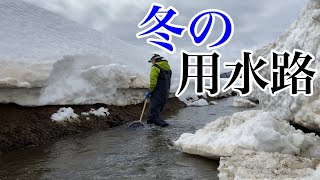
pixel 160 80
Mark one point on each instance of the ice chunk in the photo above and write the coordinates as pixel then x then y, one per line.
pixel 100 112
pixel 255 130
pixel 213 103
pixel 64 114
pixel 200 102
pixel 240 102
pixel 85 114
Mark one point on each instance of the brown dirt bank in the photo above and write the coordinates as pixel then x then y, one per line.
pixel 31 126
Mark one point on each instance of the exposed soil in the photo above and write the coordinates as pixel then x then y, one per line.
pixel 31 126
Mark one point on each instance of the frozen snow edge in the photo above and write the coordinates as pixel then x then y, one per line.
pixel 75 80
pixel 81 80
pixel 253 130
pixel 248 164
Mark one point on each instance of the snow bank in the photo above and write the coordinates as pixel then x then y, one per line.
pixel 268 130
pixel 303 34
pixel 18 74
pixel 255 130
pixel 246 164
pixel 241 102
pixel 64 114
pixel 75 80
pixel 58 61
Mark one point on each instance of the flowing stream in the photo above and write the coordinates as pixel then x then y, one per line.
pixel 120 153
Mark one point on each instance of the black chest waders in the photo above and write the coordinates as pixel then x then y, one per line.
pixel 159 97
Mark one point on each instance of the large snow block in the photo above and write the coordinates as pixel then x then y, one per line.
pixel 254 130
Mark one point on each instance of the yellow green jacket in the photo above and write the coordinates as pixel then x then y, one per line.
pixel 154 73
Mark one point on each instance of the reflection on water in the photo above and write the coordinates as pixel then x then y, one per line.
pixel 120 153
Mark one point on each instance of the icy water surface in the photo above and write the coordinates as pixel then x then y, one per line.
pixel 120 153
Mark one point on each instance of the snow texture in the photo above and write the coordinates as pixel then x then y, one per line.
pixel 253 130
pixel 64 114
pixel 243 103
pixel 100 112
pixel 246 164
pixel 303 34
pixel 75 80
pixel 57 61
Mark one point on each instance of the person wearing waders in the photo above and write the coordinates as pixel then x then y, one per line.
pixel 160 80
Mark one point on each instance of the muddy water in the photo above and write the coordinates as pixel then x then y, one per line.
pixel 121 153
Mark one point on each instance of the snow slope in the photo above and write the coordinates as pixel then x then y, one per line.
pixel 268 130
pixel 303 34
pixel 57 61
pixel 92 68
pixel 32 33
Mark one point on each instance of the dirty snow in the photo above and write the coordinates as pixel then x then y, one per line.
pixel 247 164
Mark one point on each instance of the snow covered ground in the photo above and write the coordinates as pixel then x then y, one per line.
pixel 268 130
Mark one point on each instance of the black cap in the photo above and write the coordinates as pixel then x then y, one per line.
pixel 156 57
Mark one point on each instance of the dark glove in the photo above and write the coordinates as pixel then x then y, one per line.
pixel 148 94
